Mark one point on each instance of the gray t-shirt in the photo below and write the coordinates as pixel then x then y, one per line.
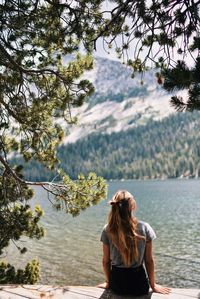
pixel 143 229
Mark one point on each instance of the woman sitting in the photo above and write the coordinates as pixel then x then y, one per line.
pixel 127 247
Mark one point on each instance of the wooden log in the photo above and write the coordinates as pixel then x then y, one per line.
pixel 82 292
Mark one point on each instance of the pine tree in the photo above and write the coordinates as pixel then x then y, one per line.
pixel 39 83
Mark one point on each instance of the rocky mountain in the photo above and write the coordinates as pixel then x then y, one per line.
pixel 126 130
pixel 119 102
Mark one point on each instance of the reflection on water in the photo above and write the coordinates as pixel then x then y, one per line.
pixel 70 253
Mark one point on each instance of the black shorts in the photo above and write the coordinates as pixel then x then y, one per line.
pixel 129 281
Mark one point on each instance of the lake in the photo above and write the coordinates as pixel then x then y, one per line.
pixel 70 252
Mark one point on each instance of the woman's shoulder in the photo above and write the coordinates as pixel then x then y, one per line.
pixel 105 227
pixel 145 229
pixel 104 236
pixel 142 223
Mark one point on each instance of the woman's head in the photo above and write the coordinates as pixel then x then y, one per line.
pixel 122 226
pixel 123 203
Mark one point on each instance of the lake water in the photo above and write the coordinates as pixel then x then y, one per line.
pixel 70 253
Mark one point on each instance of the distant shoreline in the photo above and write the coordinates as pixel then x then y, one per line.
pixel 153 179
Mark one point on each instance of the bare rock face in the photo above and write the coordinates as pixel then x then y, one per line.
pixel 119 101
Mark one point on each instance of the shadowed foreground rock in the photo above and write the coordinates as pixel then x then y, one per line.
pixel 79 292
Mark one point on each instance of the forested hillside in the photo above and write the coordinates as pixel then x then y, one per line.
pixel 161 149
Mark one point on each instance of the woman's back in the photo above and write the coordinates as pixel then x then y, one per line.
pixel 143 229
pixel 127 246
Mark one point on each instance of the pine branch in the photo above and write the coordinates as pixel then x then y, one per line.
pixel 178 78
pixel 178 104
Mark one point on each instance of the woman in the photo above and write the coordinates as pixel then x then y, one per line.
pixel 127 245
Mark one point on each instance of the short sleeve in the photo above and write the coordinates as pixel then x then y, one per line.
pixel 150 233
pixel 104 237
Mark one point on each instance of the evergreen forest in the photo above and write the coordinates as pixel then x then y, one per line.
pixel 169 148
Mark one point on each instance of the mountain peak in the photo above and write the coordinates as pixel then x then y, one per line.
pixel 119 101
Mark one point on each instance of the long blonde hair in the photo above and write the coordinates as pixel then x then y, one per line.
pixel 122 226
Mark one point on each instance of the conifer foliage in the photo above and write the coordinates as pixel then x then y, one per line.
pixel 163 32
pixel 181 77
pixel 37 86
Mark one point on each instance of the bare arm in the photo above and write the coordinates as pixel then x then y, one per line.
pixel 150 267
pixel 149 264
pixel 106 266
